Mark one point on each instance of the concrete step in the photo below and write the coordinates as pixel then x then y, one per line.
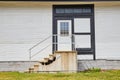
pixel 43 63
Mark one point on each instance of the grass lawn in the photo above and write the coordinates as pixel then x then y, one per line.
pixel 90 75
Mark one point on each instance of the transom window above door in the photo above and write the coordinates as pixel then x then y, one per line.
pixel 73 10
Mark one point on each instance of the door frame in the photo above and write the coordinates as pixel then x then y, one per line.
pixel 72 16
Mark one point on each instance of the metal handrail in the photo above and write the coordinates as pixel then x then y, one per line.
pixel 55 35
pixel 30 54
pixel 40 50
pixel 40 42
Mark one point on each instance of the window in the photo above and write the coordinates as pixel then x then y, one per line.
pixel 83 41
pixel 78 10
pixel 73 10
pixel 82 25
pixel 64 28
pixel 68 10
pixel 60 10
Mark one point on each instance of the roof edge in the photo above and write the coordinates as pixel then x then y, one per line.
pixel 62 0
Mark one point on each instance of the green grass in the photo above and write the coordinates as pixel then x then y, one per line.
pixel 88 75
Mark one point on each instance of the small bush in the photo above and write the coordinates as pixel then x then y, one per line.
pixel 94 69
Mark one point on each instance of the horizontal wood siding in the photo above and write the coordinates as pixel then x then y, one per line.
pixel 107 28
pixel 21 28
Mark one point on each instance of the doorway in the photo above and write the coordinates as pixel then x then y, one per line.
pixel 64 34
pixel 73 26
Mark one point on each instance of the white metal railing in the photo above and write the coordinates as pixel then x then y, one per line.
pixel 55 43
pixel 31 55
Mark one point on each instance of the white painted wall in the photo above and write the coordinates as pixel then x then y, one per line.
pixel 21 28
pixel 107 30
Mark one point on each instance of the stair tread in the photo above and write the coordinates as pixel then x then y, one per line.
pixel 41 61
pixel 46 58
pixel 51 55
pixel 45 61
pixel 36 64
pixel 31 67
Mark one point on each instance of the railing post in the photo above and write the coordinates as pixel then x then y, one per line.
pixel 29 57
pixel 55 42
pixel 29 54
pixel 73 42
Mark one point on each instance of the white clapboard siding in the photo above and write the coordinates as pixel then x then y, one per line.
pixel 107 30
pixel 21 28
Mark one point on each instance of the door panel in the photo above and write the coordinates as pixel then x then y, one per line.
pixel 64 35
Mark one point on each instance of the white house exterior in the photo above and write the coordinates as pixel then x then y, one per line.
pixel 25 23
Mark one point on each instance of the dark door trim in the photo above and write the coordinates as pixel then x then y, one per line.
pixel 71 15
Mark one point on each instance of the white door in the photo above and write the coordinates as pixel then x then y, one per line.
pixel 64 34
